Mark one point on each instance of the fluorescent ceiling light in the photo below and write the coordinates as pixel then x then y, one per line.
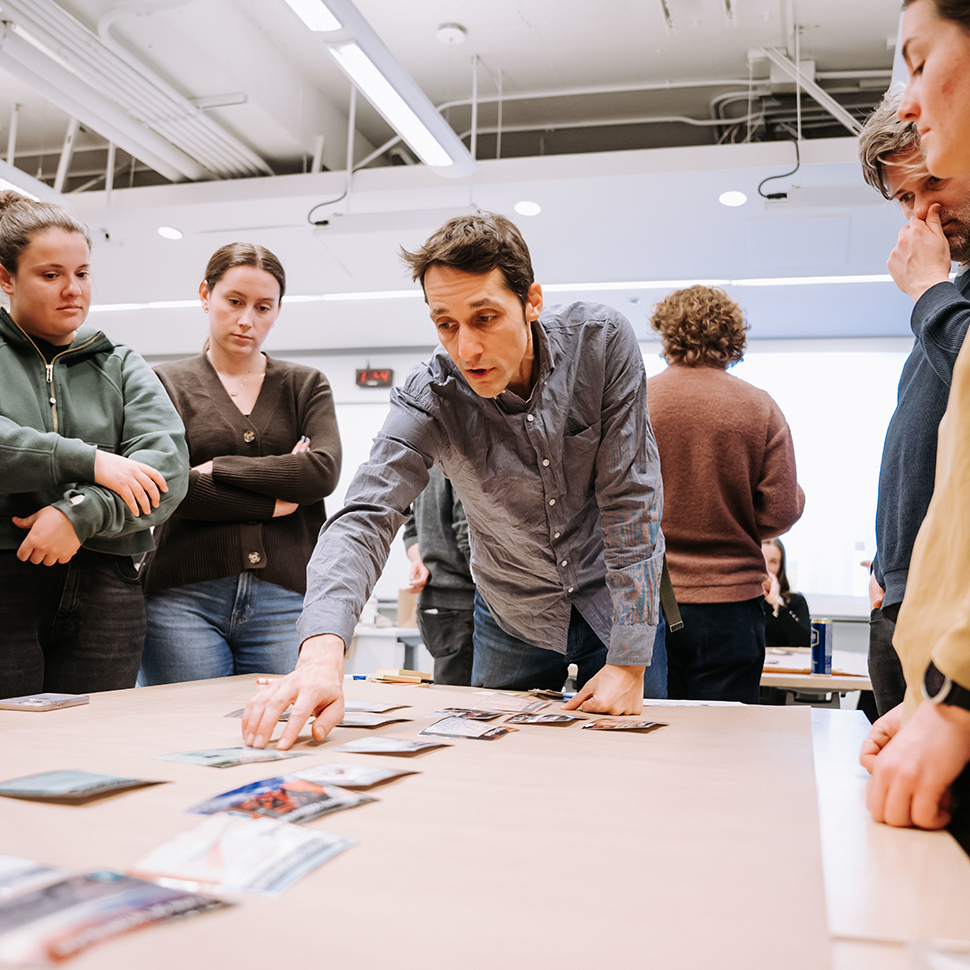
pixel 378 90
pixel 7 186
pixel 682 284
pixel 549 288
pixel 169 232
pixel 315 15
pixel 528 208
pixel 732 198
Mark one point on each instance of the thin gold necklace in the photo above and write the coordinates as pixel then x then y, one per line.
pixel 243 384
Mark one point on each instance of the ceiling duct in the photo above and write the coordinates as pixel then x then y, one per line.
pixel 114 94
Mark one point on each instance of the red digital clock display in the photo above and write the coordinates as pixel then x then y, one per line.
pixel 375 377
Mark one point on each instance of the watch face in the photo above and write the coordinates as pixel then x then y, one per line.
pixel 933 681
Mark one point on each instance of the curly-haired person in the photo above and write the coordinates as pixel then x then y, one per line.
pixel 728 468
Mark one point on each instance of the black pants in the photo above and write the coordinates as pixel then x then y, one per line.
pixel 71 628
pixel 448 636
pixel 885 670
pixel 719 654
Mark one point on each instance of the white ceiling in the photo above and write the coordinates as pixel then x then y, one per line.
pixel 608 216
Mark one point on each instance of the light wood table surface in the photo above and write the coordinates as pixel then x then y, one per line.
pixel 696 846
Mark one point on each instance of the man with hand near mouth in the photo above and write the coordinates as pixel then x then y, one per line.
pixel 937 232
pixel 540 422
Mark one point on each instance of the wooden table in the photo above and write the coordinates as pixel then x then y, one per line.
pixel 695 846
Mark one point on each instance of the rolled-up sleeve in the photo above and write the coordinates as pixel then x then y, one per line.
pixel 354 544
pixel 629 493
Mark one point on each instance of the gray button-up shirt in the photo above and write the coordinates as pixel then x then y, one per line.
pixel 562 491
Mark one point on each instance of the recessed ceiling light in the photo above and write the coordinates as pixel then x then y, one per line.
pixel 528 208
pixel 169 232
pixel 732 198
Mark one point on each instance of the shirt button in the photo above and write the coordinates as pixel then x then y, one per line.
pixel 529 417
pixel 570 589
pixel 254 557
pixel 552 501
pixel 557 535
pixel 249 436
pixel 565 562
pixel 545 462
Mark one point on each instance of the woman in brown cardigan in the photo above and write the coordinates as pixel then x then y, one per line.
pixel 225 587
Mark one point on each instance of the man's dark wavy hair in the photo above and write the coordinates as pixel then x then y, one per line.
pixel 477 243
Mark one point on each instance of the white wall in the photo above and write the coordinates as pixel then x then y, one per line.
pixel 838 397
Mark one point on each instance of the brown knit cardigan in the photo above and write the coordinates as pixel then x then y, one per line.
pixel 225 524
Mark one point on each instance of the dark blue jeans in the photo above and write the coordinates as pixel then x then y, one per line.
pixel 504 662
pixel 719 654
pixel 70 628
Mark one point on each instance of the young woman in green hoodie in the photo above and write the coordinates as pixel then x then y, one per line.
pixel 92 455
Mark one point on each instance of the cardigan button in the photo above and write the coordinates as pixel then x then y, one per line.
pixel 254 557
pixel 249 436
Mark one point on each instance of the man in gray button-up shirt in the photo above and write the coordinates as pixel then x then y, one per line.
pixel 540 422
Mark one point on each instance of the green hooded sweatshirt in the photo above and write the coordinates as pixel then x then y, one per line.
pixel 53 417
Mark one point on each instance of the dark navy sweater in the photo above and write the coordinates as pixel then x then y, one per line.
pixel 939 321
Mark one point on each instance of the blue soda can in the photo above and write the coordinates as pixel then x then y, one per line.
pixel 821 646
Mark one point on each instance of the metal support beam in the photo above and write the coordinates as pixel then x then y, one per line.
pixel 818 94
pixel 12 134
pixel 67 153
pixel 473 149
pixel 317 164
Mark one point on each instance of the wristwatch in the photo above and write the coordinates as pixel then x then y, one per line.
pixel 937 688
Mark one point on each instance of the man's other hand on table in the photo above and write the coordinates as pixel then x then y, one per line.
pixel 614 690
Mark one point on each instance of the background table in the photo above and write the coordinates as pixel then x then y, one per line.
pixel 815 687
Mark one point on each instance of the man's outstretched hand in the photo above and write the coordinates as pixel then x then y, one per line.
pixel 314 689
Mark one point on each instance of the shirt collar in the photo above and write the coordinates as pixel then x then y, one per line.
pixel 509 400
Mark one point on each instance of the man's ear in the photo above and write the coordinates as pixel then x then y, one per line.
pixel 533 303
pixel 6 281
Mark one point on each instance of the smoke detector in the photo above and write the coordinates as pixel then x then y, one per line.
pixel 451 34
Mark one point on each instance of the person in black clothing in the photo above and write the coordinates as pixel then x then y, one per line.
pixel 787 620
pixel 436 537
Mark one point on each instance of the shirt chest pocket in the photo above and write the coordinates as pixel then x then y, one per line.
pixel 579 453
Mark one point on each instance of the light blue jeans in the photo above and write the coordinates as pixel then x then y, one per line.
pixel 237 625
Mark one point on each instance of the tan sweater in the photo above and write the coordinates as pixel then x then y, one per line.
pixel 934 620
pixel 728 468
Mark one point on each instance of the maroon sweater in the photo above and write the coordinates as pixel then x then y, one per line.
pixel 225 524
pixel 728 469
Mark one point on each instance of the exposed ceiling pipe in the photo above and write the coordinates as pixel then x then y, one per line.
pixel 603 89
pixel 609 122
